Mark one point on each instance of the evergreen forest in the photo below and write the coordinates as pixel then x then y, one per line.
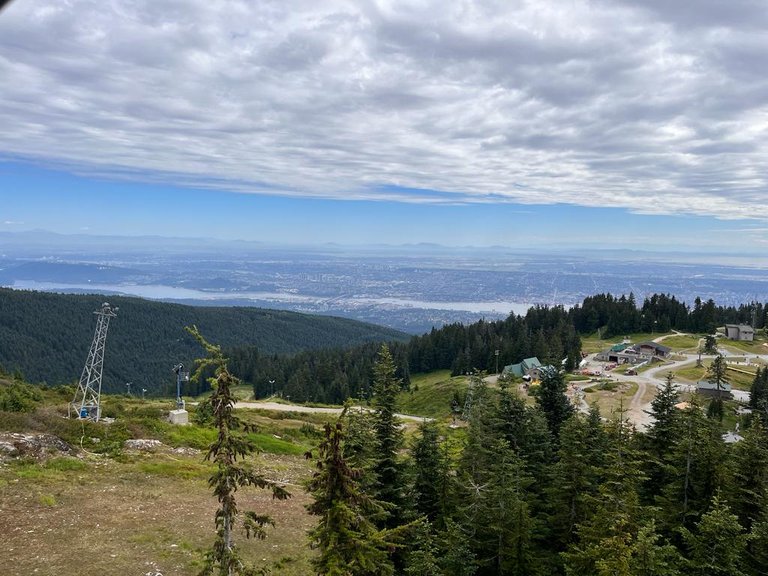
pixel 46 337
pixel 540 490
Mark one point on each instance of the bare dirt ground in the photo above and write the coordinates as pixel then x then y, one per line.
pixel 146 516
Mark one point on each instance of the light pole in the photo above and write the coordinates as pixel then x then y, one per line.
pixel 180 375
pixel 271 387
pixel 128 385
pixel 497 361
pixel 143 391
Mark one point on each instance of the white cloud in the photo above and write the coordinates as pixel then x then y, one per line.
pixel 654 108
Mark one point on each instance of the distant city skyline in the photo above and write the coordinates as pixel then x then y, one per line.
pixel 522 124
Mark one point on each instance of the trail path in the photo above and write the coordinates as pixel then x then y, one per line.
pixel 280 407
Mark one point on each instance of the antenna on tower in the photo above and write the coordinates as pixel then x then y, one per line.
pixel 87 400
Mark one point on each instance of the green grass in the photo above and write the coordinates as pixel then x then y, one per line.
pixel 192 436
pixel 680 343
pixel 430 394
pixel 53 470
pixel 272 445
pixel 754 347
pixel 175 468
pixel 739 377
pixel 592 343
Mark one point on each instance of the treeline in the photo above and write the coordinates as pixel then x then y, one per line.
pixel 46 337
pixel 331 376
pixel 552 334
pixel 617 316
pixel 540 490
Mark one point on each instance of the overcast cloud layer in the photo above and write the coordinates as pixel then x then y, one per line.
pixel 660 106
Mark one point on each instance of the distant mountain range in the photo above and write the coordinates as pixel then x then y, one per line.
pixel 47 336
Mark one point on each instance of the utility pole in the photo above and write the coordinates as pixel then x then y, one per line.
pixel 87 400
pixel 497 361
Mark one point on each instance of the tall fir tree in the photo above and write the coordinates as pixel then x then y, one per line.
pixel 348 542
pixel 387 466
pixel 552 400
pixel 717 544
pixel 430 474
pixel 228 452
pixel 716 374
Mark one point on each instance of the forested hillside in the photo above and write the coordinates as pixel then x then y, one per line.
pixel 553 334
pixel 47 336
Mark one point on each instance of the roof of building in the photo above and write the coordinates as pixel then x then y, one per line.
pixel 522 368
pixel 618 347
pixel 658 347
pixel 708 385
pixel 741 327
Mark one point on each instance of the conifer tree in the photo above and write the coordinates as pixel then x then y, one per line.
pixel 227 452
pixel 348 542
pixel 552 400
pixel 665 416
pixel 758 396
pixel 697 468
pixel 748 493
pixel 430 473
pixel 716 373
pixel 660 437
pixel 651 556
pixel 575 480
pixel 604 540
pixel 498 515
pixel 388 469
pixel 717 545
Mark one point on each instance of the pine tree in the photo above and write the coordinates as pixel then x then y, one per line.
pixel 498 515
pixel 716 373
pixel 748 493
pixel 758 396
pixel 389 473
pixel 430 473
pixel 229 447
pixel 650 556
pixel 665 417
pixel 660 437
pixel 552 400
pixel 718 543
pixel 348 542
pixel 605 538
pixel 575 480
pixel 697 468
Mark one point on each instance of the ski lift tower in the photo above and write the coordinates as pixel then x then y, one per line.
pixel 87 400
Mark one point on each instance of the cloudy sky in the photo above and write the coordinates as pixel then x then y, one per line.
pixel 470 122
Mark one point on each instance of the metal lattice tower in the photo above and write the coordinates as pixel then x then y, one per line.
pixel 86 402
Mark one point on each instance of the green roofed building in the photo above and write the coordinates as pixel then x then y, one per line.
pixel 530 368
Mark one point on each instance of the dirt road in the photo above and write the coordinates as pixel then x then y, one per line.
pixel 280 407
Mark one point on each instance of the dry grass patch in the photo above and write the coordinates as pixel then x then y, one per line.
pixel 151 512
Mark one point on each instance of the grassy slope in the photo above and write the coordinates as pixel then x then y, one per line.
pixel 113 511
pixel 431 394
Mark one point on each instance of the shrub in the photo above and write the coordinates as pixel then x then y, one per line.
pixel 17 396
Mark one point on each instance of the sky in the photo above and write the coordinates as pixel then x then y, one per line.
pixel 544 123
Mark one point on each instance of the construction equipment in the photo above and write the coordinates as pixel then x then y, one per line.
pixel 87 401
